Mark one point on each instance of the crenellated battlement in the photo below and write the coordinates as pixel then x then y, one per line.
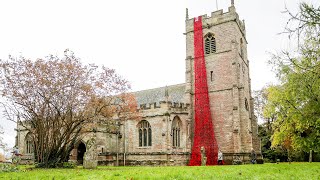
pixel 216 18
pixel 165 104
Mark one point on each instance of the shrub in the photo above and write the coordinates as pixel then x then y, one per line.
pixel 260 161
pixel 237 162
pixel 8 168
pixel 70 165
pixel 67 165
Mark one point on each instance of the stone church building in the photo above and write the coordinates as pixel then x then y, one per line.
pixel 164 135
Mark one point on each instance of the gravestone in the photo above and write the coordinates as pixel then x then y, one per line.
pixel 90 159
pixel 203 156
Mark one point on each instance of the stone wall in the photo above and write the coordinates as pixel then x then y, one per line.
pixel 124 149
pixel 228 81
pixel 160 120
pixel 231 106
pixel 144 159
pixel 22 133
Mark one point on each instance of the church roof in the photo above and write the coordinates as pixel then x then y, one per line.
pixel 175 94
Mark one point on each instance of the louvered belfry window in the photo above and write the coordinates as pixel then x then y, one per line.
pixel 210 44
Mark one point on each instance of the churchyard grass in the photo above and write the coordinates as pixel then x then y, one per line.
pixel 257 171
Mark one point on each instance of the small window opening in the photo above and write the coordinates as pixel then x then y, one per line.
pixel 211 76
pixel 246 104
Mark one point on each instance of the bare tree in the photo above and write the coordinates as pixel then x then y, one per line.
pixel 3 145
pixel 59 99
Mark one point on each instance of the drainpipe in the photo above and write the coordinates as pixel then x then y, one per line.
pixel 117 136
pixel 124 142
pixel 18 135
pixel 168 136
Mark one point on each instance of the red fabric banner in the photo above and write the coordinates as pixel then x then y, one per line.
pixel 203 125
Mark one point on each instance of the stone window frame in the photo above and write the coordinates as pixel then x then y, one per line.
pixel 210 44
pixel 145 134
pixel 28 144
pixel 246 104
pixel 176 131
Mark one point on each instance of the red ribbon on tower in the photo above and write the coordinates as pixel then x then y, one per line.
pixel 203 125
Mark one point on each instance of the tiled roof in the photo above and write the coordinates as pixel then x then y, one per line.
pixel 176 94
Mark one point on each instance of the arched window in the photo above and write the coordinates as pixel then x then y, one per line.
pixel 210 44
pixel 29 144
pixel 145 134
pixel 176 125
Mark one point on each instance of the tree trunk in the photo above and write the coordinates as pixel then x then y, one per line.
pixel 310 156
pixel 289 157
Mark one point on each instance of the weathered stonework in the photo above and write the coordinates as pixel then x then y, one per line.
pixel 90 160
pixel 228 81
pixel 231 104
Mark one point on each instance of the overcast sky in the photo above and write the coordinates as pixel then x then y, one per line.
pixel 142 39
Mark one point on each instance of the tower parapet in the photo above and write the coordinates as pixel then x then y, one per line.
pixel 216 18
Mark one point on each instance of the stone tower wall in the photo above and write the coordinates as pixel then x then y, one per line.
pixel 228 80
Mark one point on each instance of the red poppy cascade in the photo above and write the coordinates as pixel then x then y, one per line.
pixel 203 125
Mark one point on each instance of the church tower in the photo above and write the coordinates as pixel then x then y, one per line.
pixel 228 82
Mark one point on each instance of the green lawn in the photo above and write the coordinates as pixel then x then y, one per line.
pixel 263 171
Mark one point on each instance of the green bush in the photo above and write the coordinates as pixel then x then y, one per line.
pixel 67 165
pixel 236 162
pixel 70 165
pixel 8 168
pixel 260 161
pixel 266 160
